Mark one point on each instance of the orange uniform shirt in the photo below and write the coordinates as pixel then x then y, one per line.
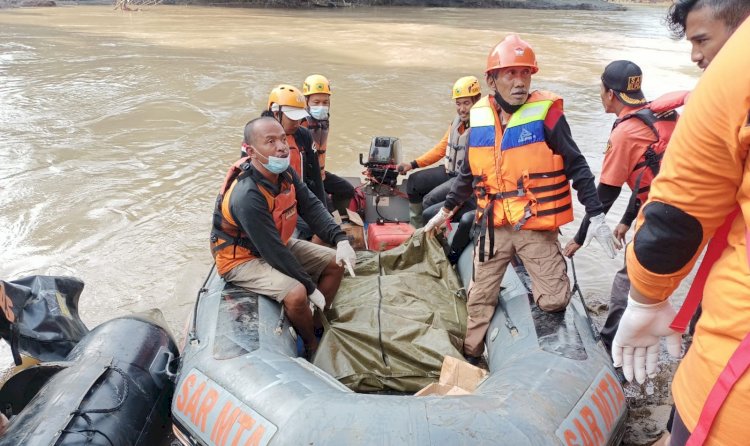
pixel 706 174
pixel 627 143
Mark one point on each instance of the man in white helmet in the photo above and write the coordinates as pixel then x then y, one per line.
pixel 287 105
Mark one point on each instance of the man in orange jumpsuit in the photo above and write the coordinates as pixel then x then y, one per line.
pixel 704 184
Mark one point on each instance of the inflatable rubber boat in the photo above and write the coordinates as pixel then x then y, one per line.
pixel 242 381
pixel 113 387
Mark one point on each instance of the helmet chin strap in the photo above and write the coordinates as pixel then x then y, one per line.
pixel 510 109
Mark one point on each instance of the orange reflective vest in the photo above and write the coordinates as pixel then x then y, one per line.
pixel 319 130
pixel 518 179
pixel 230 245
pixel 661 118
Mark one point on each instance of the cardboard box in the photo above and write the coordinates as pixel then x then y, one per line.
pixel 354 228
pixel 457 377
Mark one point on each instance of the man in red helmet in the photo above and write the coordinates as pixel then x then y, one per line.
pixel 520 162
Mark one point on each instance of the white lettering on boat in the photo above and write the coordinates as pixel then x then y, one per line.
pixel 593 419
pixel 216 416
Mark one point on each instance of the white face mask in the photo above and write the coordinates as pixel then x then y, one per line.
pixel 275 164
pixel 319 112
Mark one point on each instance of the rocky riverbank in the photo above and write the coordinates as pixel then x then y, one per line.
pixel 26 3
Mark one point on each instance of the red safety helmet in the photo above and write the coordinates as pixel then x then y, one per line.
pixel 512 52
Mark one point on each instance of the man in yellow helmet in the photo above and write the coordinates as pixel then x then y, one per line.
pixel 430 186
pixel 287 105
pixel 317 91
pixel 520 161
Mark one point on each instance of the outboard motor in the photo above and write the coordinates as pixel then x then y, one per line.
pixel 382 160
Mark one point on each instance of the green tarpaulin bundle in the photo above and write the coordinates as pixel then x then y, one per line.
pixel 391 325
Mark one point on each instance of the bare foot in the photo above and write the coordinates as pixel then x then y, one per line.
pixel 3 424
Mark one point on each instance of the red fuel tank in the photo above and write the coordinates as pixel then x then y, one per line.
pixel 382 237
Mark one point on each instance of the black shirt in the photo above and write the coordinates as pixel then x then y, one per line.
pixel 249 209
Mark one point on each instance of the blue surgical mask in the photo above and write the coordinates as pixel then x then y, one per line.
pixel 319 112
pixel 275 164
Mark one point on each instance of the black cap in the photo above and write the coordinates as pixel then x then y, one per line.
pixel 624 78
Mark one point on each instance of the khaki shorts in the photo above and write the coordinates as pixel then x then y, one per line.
pixel 260 277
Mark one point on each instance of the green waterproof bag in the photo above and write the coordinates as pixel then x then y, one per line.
pixel 391 325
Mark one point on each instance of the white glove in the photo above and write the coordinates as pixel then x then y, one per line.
pixel 318 299
pixel 599 230
pixel 438 220
pixel 345 255
pixel 636 344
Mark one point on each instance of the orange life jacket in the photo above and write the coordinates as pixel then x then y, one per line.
pixel 230 245
pixel 295 155
pixel 319 130
pixel 518 179
pixel 661 118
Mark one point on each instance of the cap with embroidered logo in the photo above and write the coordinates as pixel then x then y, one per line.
pixel 624 78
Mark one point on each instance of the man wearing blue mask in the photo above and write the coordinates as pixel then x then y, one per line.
pixel 286 104
pixel 254 218
pixel 317 91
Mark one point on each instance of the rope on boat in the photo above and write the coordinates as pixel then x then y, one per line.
pixel 577 288
pixel 83 413
pixel 380 331
pixel 191 333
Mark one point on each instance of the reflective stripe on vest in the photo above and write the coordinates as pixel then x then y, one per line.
pixel 230 245
pixel 455 154
pixel 517 168
pixel 526 126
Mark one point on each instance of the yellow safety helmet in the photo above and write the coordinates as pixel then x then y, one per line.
pixel 286 95
pixel 315 83
pixel 467 86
